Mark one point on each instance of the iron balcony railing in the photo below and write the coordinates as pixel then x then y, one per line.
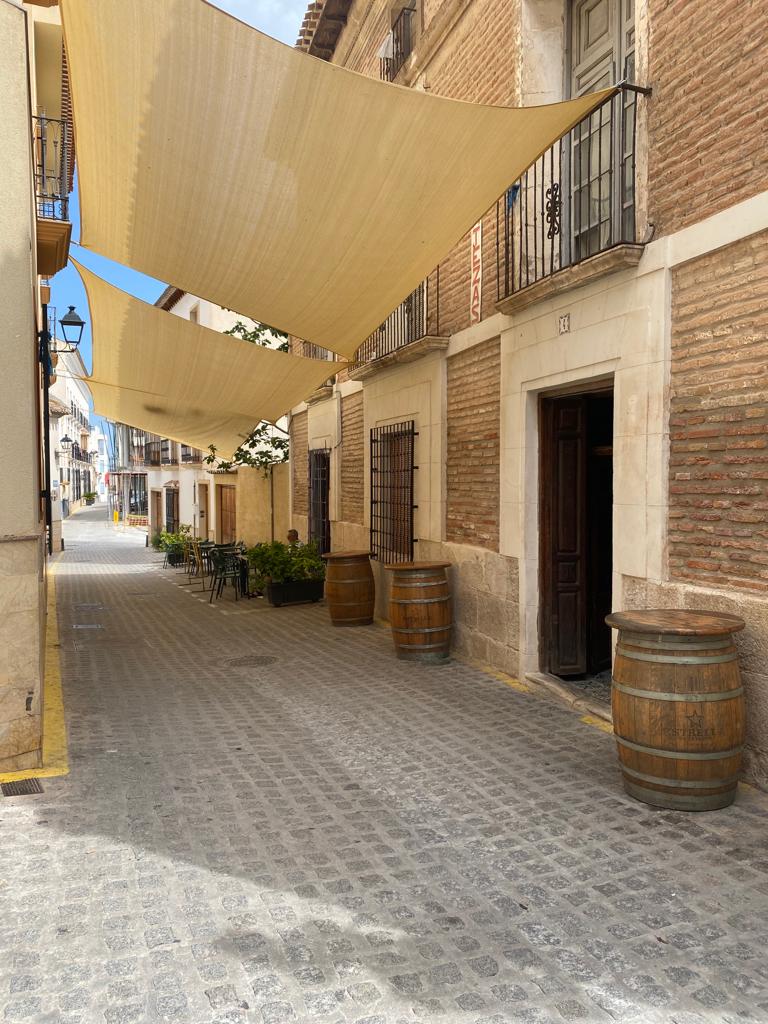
pixel 398 45
pixel 152 453
pixel 189 454
pixel 79 454
pixel 168 454
pixel 575 201
pixel 312 351
pixel 52 154
pixel 416 317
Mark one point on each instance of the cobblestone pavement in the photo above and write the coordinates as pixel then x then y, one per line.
pixel 271 820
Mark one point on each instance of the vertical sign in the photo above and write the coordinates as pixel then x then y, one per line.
pixel 476 273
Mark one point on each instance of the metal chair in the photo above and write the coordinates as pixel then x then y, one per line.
pixel 226 569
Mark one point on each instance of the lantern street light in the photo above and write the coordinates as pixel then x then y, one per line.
pixel 72 328
pixel 66 443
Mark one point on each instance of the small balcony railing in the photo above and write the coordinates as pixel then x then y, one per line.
pixel 312 351
pixel 78 454
pixel 397 46
pixel 152 453
pixel 168 455
pixel 416 317
pixel 52 154
pixel 191 454
pixel 575 201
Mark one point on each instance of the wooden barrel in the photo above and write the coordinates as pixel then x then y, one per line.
pixel 420 611
pixel 349 587
pixel 678 707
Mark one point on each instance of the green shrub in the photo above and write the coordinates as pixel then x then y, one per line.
pixel 157 542
pixel 285 563
pixel 174 540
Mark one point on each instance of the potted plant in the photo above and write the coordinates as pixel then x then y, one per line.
pixel 90 497
pixel 173 543
pixel 288 573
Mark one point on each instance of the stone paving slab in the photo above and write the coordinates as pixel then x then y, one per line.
pixel 271 820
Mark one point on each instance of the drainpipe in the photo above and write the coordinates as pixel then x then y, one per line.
pixel 272 503
pixel 45 360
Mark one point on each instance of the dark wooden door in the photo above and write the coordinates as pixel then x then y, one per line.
pixel 564 535
pixel 171 510
pixel 227 514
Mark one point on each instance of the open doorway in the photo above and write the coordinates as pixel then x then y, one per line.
pixel 576 536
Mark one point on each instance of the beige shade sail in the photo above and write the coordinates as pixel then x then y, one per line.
pixel 161 373
pixel 294 191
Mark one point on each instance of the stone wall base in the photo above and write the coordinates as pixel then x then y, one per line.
pixel 22 629
pixel 484 587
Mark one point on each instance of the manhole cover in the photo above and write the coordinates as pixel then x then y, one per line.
pixel 252 661
pixel 26 787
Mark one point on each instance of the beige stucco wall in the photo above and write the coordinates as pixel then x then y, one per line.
pixel 256 492
pixel 21 547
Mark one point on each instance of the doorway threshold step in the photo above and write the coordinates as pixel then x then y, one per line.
pixel 570 694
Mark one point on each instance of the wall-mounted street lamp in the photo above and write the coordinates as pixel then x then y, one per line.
pixel 72 327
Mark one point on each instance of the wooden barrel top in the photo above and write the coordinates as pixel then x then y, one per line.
pixel 676 622
pixel 417 566
pixel 347 554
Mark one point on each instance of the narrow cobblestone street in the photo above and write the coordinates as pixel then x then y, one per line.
pixel 267 819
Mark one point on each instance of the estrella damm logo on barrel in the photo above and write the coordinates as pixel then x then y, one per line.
pixel 694 729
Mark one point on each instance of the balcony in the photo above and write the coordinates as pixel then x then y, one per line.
pixel 52 149
pixel 168 453
pixel 397 46
pixel 78 454
pixel 189 454
pixel 571 217
pixel 412 330
pixel 152 453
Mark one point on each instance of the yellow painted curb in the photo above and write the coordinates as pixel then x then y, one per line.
pixel 596 723
pixel 55 759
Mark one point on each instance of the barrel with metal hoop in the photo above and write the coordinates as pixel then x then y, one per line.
pixel 349 588
pixel 678 707
pixel 420 611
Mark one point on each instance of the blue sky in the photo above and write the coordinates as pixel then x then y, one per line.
pixel 278 18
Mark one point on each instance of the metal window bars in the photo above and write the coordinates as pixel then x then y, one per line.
pixel 397 46
pixel 416 317
pixel 52 154
pixel 575 201
pixel 392 505
pixel 319 463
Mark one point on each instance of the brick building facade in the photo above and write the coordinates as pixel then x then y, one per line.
pixel 607 384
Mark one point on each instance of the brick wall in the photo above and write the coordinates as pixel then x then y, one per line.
pixel 718 485
pixel 299 463
pixel 472 464
pixel 474 62
pixel 709 107
pixel 352 458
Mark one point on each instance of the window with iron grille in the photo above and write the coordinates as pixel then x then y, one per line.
pixel 171 510
pixel 392 504
pixel 319 490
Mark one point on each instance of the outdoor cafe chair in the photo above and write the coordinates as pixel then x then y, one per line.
pixel 226 569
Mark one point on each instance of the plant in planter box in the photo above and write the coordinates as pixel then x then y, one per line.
pixel 288 573
pixel 89 497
